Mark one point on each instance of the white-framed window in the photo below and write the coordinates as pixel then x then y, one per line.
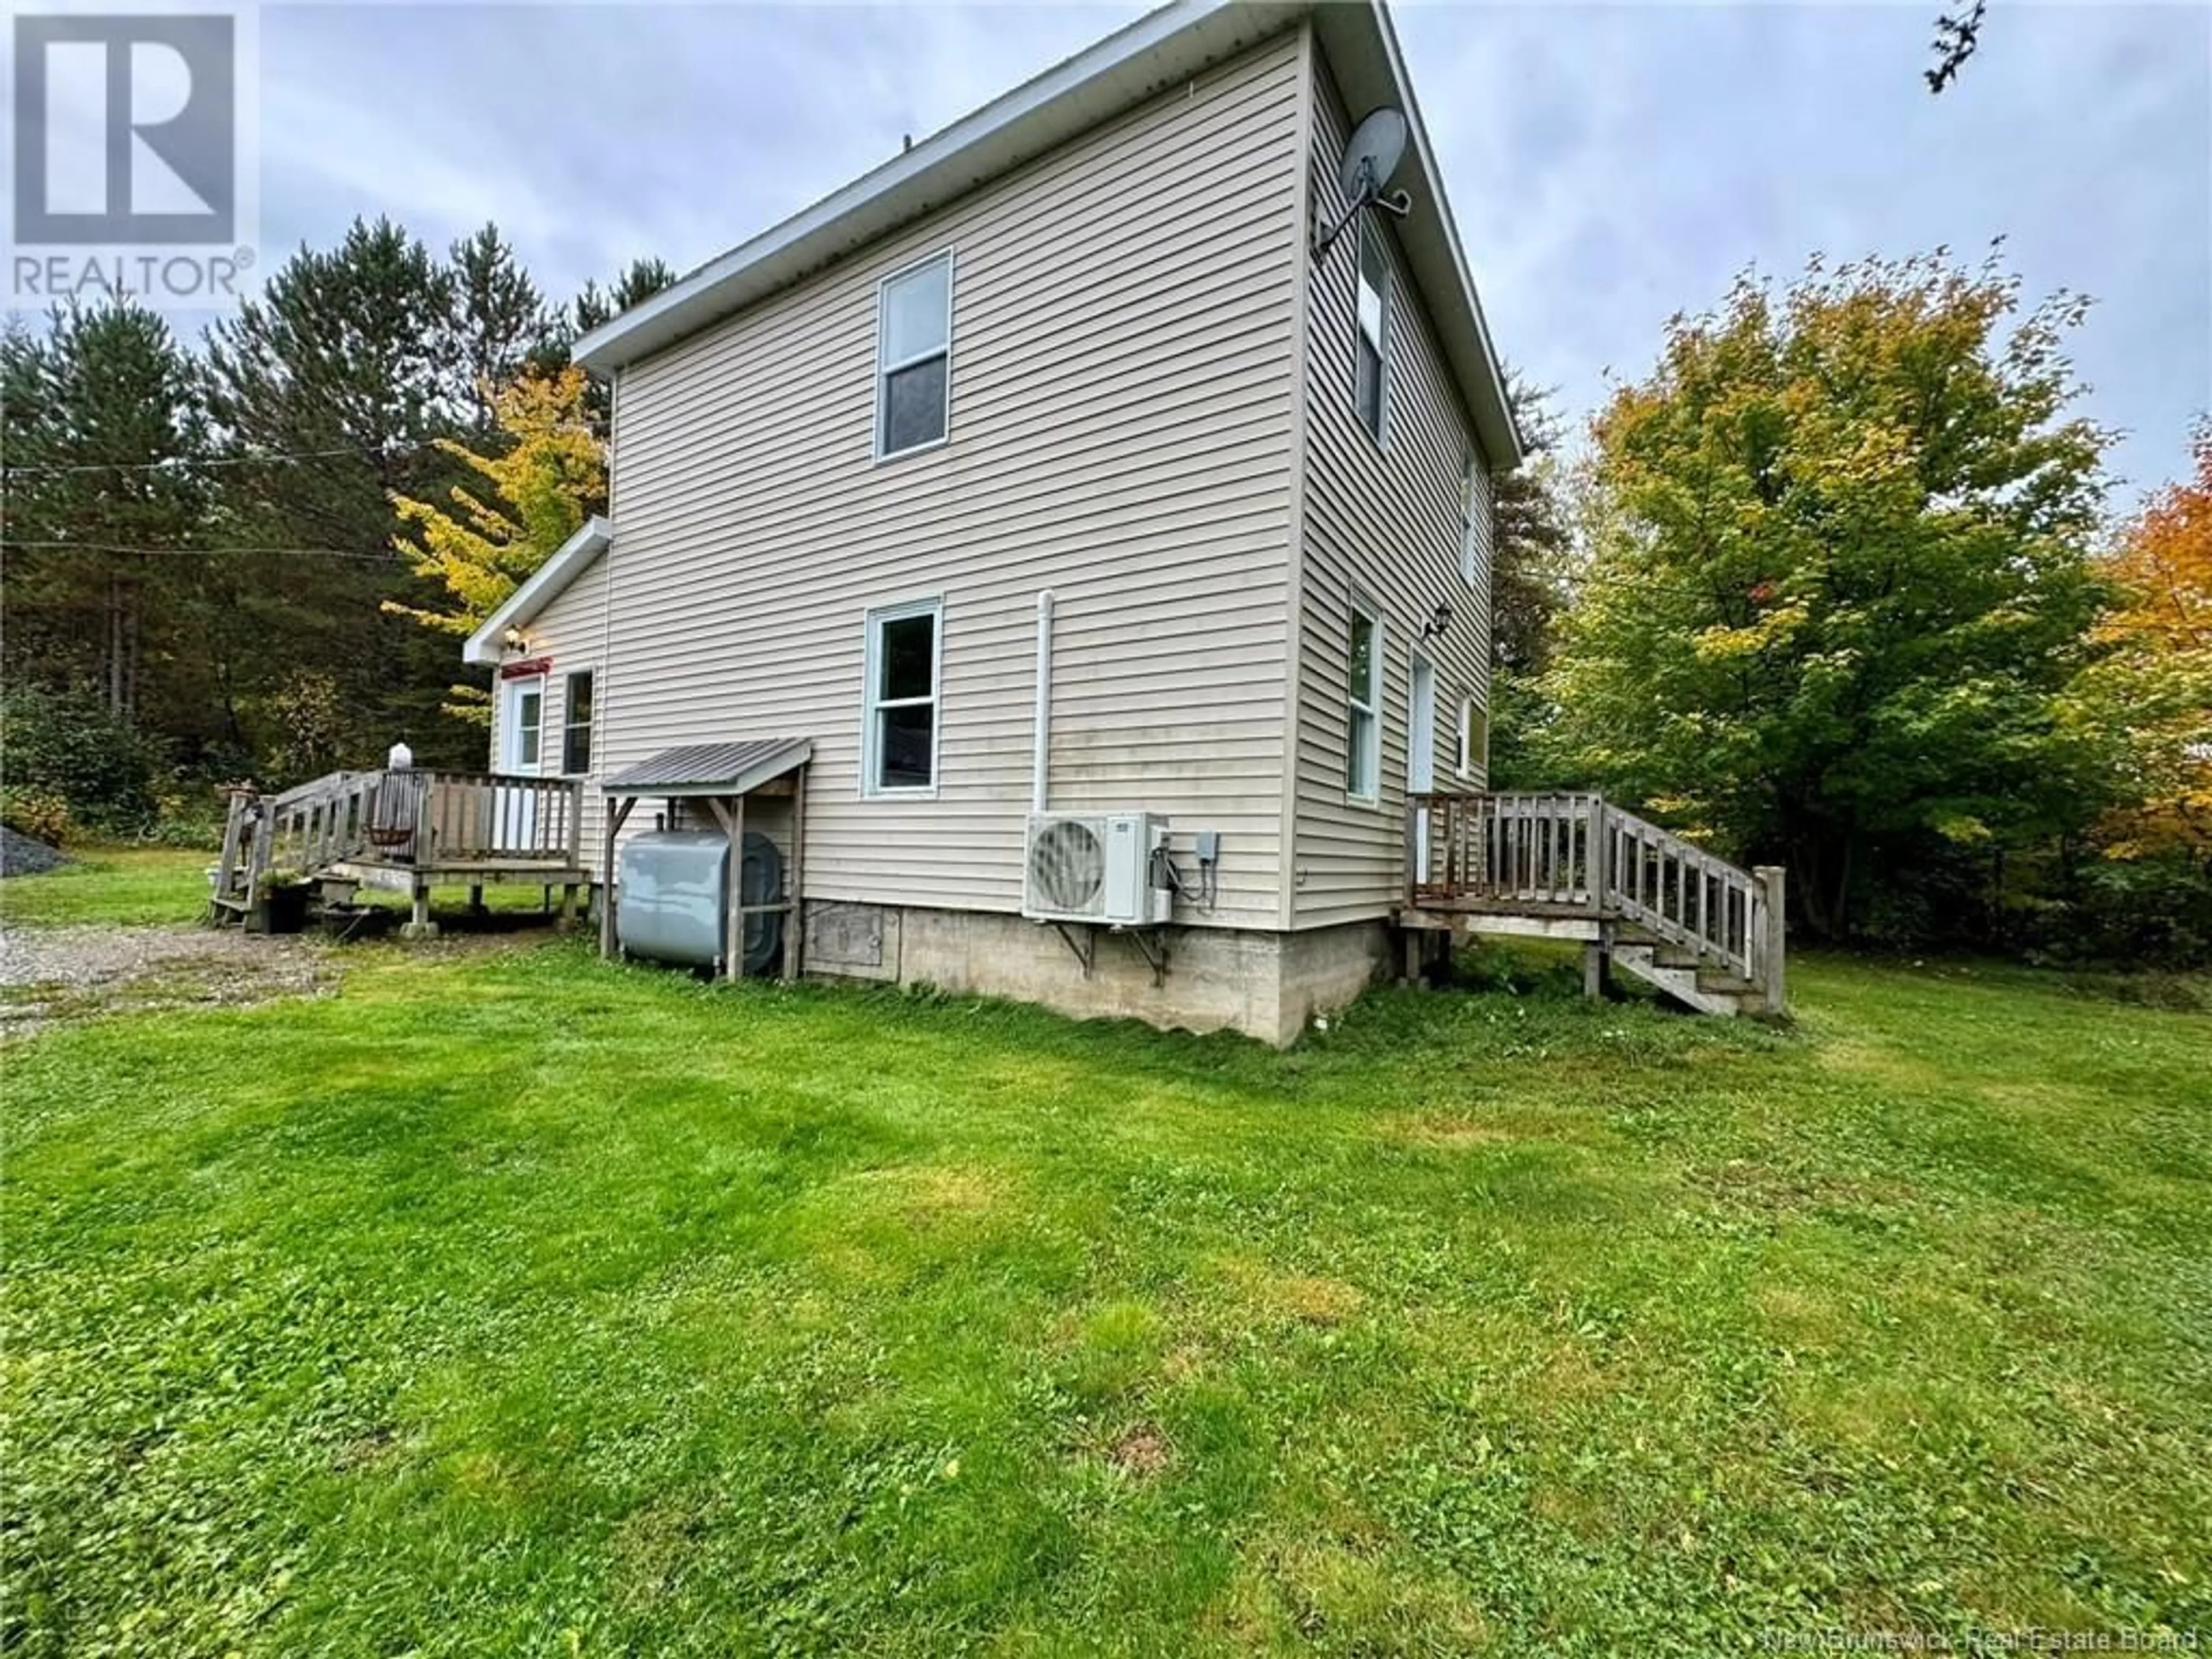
pixel 899 743
pixel 1370 386
pixel 1362 753
pixel 529 724
pixel 576 725
pixel 914 357
pixel 1474 533
pixel 1473 737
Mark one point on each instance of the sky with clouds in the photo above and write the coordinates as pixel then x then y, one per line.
pixel 1607 165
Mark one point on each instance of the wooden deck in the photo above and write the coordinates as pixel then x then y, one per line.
pixel 1566 866
pixel 405 829
pixel 1572 866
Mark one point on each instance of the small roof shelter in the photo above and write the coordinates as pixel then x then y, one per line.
pixel 722 775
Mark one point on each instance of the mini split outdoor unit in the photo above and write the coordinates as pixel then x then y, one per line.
pixel 1095 867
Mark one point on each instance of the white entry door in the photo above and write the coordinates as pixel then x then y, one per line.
pixel 1421 757
pixel 521 740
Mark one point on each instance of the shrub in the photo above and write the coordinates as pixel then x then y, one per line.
pixel 2140 913
pixel 71 745
pixel 316 729
pixel 38 813
pixel 188 815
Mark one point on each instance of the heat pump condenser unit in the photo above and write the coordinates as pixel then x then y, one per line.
pixel 1095 866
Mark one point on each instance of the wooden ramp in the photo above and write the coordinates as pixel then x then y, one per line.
pixel 407 828
pixel 1706 934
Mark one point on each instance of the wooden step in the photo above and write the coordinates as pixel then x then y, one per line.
pixel 1697 992
pixel 1712 976
pixel 1571 864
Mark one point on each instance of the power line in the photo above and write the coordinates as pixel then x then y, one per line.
pixel 198 552
pixel 186 463
pixel 178 463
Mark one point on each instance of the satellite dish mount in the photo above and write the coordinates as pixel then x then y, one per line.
pixel 1371 160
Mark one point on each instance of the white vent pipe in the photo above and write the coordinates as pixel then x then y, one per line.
pixel 1041 763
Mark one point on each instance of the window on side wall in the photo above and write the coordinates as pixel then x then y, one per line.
pixel 1471 530
pixel 1474 739
pixel 1371 371
pixel 899 744
pixel 576 726
pixel 914 357
pixel 1363 779
pixel 529 725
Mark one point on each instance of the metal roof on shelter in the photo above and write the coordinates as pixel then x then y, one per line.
pixel 712 768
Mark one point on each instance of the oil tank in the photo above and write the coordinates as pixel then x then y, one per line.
pixel 674 898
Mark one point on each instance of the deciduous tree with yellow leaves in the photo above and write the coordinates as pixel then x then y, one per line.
pixel 2150 697
pixel 481 543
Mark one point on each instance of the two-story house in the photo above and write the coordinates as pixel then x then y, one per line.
pixel 1048 466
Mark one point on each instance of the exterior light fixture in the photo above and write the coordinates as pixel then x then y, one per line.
pixel 1439 620
pixel 514 638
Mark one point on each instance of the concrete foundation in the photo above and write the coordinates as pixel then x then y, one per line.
pixel 1267 985
pixel 1325 968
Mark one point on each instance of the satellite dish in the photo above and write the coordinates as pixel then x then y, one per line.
pixel 1371 160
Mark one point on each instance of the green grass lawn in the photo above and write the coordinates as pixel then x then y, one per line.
pixel 140 886
pixel 514 1302
pixel 135 886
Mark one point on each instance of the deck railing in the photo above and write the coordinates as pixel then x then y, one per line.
pixel 408 816
pixel 1530 850
pixel 469 816
pixel 1684 894
pixel 1574 854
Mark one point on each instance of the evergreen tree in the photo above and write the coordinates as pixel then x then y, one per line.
pixel 340 373
pixel 1531 549
pixel 1531 543
pixel 638 282
pixel 29 450
pixel 259 603
pixel 331 389
pixel 498 317
pixel 105 501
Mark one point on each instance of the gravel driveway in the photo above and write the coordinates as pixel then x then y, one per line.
pixel 48 973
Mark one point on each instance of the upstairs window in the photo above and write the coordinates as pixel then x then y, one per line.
pixel 576 726
pixel 1371 370
pixel 1472 532
pixel 1363 779
pixel 900 743
pixel 914 358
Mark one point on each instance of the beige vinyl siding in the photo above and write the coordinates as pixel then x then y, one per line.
pixel 1384 523
pixel 1122 372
